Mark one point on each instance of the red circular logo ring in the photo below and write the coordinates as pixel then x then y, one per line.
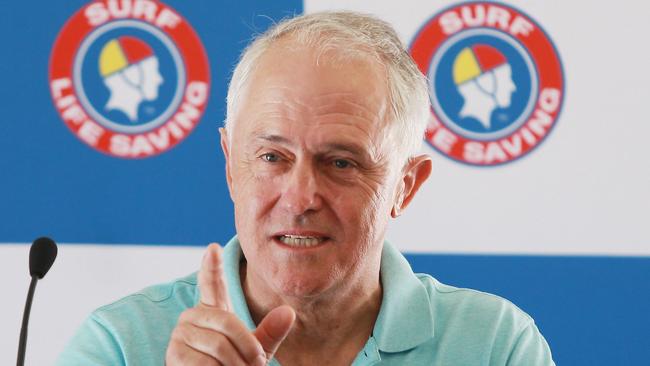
pixel 492 18
pixel 77 115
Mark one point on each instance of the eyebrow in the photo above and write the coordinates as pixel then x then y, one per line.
pixel 351 147
pixel 274 138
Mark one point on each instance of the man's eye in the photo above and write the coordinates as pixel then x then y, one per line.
pixel 270 157
pixel 342 163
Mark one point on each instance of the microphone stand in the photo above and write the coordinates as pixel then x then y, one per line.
pixel 41 257
pixel 22 345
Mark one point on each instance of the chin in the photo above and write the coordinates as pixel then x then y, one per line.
pixel 301 287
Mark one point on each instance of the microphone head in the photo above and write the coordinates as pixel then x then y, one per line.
pixel 41 256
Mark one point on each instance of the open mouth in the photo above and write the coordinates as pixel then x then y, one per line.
pixel 301 241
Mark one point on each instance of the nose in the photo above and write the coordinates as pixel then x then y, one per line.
pixel 302 193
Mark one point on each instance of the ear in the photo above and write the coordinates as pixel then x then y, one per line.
pixel 226 154
pixel 416 171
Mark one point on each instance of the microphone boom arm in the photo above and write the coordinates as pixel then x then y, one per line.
pixel 22 345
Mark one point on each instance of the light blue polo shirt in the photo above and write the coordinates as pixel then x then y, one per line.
pixel 421 322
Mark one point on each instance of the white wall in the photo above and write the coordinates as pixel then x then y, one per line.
pixel 586 189
pixel 83 278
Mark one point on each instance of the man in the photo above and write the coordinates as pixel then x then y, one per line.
pixel 325 118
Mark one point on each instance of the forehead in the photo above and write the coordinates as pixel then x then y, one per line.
pixel 296 85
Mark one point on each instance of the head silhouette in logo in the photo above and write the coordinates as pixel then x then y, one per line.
pixel 130 71
pixel 484 80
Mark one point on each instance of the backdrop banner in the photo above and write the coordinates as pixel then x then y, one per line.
pixel 539 193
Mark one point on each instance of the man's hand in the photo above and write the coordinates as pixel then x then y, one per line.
pixel 211 334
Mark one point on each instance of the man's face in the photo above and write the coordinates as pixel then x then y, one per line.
pixel 313 171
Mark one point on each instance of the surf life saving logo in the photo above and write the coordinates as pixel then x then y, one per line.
pixel 129 78
pixel 495 80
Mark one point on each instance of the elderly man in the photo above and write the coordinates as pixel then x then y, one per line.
pixel 325 118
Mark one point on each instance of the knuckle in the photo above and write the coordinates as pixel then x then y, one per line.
pixel 185 316
pixel 180 328
pixel 177 334
pixel 220 344
pixel 173 353
pixel 225 320
pixel 217 318
pixel 229 321
pixel 183 334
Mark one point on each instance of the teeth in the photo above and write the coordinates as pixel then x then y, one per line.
pixel 300 241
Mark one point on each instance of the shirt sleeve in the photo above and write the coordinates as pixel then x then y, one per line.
pixel 93 344
pixel 530 349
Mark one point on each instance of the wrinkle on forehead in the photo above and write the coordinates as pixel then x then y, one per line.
pixel 285 100
pixel 339 102
pixel 345 103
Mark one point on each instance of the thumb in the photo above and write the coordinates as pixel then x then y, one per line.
pixel 273 329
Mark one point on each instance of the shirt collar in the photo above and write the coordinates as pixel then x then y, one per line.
pixel 232 256
pixel 405 318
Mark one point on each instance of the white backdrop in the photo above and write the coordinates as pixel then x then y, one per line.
pixel 586 189
pixel 83 278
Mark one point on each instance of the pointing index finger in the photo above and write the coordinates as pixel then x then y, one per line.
pixel 212 283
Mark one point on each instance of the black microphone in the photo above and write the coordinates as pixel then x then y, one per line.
pixel 41 257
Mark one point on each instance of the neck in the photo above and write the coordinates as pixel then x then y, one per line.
pixel 336 322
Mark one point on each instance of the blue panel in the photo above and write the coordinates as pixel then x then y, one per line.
pixel 592 310
pixel 53 184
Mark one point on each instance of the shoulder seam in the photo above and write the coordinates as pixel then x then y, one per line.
pixel 141 293
pixel 462 289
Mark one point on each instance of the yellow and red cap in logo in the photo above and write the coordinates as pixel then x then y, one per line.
pixel 122 52
pixel 473 61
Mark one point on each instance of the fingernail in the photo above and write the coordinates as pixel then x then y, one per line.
pixel 260 361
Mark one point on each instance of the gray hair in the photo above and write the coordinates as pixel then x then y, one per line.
pixel 350 34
